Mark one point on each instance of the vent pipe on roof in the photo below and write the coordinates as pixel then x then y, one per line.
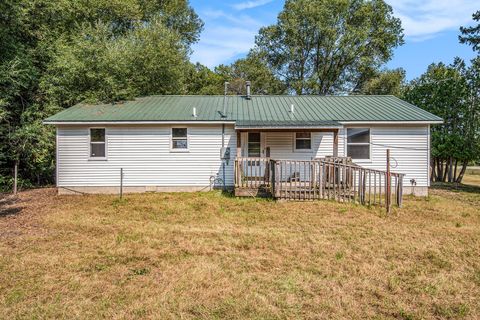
pixel 292 108
pixel 194 113
pixel 248 90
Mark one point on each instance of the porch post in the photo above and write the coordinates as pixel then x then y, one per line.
pixel 239 144
pixel 335 143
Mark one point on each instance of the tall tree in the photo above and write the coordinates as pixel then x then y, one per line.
pixel 253 69
pixel 471 35
pixel 385 82
pixel 451 92
pixel 326 46
pixel 203 81
pixel 56 53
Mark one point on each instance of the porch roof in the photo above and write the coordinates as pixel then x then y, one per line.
pixel 264 110
pixel 324 124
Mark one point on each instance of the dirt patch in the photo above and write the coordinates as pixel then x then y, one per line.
pixel 20 215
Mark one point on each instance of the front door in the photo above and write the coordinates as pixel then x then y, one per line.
pixel 256 149
pixel 254 146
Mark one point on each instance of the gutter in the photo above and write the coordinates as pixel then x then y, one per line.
pixel 134 122
pixel 285 127
pixel 391 122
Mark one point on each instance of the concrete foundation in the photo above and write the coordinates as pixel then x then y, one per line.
pixel 417 191
pixel 137 189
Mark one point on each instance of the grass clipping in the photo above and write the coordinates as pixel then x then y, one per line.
pixel 204 255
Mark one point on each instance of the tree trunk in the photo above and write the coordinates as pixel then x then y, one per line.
pixel 439 169
pixel 462 172
pixel 445 172
pixel 450 169
pixel 432 170
pixel 455 171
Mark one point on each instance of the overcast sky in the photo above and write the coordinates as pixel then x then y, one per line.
pixel 431 30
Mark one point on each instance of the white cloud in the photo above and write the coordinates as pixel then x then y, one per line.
pixel 250 4
pixel 225 37
pixel 221 44
pixel 425 19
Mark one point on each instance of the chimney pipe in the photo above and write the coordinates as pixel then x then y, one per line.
pixel 292 108
pixel 248 90
pixel 194 112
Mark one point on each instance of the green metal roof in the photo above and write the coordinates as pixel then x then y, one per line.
pixel 257 111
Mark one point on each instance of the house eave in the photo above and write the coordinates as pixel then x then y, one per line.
pixel 391 122
pixel 119 122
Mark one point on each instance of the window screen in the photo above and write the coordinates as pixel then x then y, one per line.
pixel 303 141
pixel 97 143
pixel 358 143
pixel 179 138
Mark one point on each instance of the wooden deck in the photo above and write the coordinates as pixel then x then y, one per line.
pixel 330 178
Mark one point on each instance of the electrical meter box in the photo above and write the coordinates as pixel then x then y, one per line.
pixel 225 153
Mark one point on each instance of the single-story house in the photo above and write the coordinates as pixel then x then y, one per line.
pixel 189 143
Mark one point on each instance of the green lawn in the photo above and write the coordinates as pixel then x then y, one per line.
pixel 204 255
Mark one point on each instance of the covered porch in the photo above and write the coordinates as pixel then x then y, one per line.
pixel 256 146
pixel 304 164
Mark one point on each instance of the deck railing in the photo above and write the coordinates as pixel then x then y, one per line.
pixel 252 173
pixel 329 178
pixel 323 179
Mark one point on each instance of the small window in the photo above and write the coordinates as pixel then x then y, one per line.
pixel 179 139
pixel 358 143
pixel 97 143
pixel 254 144
pixel 303 141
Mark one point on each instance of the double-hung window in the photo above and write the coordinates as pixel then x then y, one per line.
pixel 303 141
pixel 179 139
pixel 358 143
pixel 98 143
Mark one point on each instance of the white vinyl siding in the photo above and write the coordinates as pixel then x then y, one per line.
pixel 409 150
pixel 144 154
pixel 282 146
pixel 143 151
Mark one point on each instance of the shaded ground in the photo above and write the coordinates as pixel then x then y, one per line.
pixel 204 255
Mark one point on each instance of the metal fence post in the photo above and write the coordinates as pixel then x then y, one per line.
pixel 121 183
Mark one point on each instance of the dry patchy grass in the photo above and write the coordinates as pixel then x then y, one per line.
pixel 204 255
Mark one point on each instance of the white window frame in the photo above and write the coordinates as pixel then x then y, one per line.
pixel 90 144
pixel 295 142
pixel 369 143
pixel 175 150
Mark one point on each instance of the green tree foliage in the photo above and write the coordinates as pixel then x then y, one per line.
pixel 97 65
pixel 253 69
pixel 203 81
pixel 56 53
pixel 471 35
pixel 451 92
pixel 326 46
pixel 385 82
